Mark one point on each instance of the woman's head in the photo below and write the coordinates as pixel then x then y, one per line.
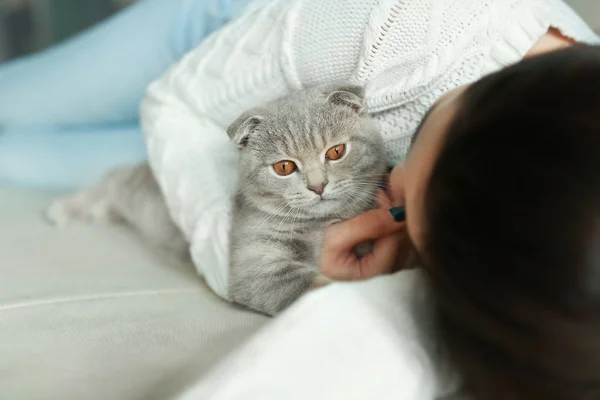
pixel 503 200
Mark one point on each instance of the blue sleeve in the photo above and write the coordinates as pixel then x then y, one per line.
pixel 100 75
pixel 68 114
pixel 67 159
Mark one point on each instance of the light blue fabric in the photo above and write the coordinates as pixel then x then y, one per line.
pixel 65 159
pixel 70 113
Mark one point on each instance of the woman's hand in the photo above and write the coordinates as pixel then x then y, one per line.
pixel 391 248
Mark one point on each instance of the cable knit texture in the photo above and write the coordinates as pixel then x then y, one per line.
pixel 406 53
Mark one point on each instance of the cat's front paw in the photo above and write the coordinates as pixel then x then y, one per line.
pixel 319 281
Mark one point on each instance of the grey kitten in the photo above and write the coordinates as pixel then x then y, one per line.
pixel 307 160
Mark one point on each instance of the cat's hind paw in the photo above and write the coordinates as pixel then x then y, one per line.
pixel 79 208
pixel 59 214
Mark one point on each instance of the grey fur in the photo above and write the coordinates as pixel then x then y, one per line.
pixel 129 195
pixel 278 223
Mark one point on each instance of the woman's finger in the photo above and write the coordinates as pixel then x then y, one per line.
pixel 370 225
pixel 382 259
pixel 384 200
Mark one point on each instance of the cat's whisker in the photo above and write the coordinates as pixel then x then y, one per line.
pixel 366 179
pixel 362 184
pixel 275 235
pixel 359 186
pixel 377 183
pixel 360 199
pixel 371 182
pixel 375 176
pixel 269 217
pixel 291 219
pixel 345 200
pixel 292 225
pixel 351 202
pixel 362 195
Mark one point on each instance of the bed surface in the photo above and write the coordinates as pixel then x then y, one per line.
pixel 92 312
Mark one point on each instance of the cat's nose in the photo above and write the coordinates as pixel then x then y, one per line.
pixel 318 189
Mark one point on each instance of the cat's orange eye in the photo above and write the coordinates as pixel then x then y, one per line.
pixel 336 152
pixel 285 167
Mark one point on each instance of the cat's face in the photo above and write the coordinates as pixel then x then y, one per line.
pixel 314 152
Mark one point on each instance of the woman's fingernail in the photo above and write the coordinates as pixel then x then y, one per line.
pixel 398 213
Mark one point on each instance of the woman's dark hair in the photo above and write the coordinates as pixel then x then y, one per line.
pixel 513 240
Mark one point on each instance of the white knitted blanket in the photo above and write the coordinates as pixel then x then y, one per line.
pixel 405 52
pixel 353 341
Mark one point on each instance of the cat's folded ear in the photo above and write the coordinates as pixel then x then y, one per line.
pixel 241 129
pixel 352 96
